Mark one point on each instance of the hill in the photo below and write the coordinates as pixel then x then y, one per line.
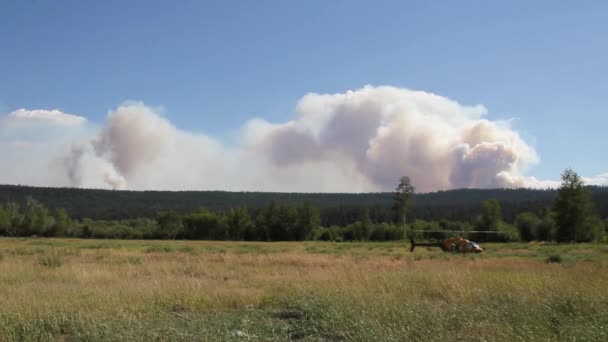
pixel 336 208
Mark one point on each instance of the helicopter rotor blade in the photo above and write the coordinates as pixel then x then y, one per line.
pixel 484 231
pixel 458 231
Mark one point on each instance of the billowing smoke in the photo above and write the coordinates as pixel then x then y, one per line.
pixel 387 132
pixel 134 136
pixel 369 137
pixel 85 169
pixel 362 140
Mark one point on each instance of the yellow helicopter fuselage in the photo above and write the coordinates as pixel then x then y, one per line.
pixel 453 245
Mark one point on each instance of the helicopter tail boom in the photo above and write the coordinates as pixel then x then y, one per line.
pixel 413 244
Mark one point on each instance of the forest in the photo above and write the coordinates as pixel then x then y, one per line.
pixel 518 214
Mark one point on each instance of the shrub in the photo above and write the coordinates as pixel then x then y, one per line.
pixel 554 258
pixel 52 260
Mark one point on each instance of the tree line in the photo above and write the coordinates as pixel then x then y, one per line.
pixel 335 208
pixel 570 216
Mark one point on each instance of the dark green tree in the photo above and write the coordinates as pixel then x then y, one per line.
pixel 14 215
pixel 286 227
pixel 490 219
pixel 268 223
pixel 491 215
pixel 277 222
pixel 142 227
pixel 363 227
pixel 379 232
pixel 35 218
pixel 403 194
pixel 308 220
pixel 204 224
pixel 545 231
pixel 527 224
pixel 239 223
pixel 573 209
pixel 61 222
pixel 5 221
pixel 170 224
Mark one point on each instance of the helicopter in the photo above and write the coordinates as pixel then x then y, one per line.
pixel 456 244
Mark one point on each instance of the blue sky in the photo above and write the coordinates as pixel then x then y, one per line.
pixel 215 65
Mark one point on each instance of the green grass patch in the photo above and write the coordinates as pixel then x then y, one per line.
pixel 160 249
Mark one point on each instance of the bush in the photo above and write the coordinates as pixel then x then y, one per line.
pixel 554 259
pixel 509 233
pixel 386 232
pixel 378 233
pixel 322 234
pixel 527 224
pixel 52 260
pixel 333 233
pixel 545 230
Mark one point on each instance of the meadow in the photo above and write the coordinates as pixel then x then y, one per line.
pixel 97 290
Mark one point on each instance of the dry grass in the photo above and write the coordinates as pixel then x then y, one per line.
pixel 143 290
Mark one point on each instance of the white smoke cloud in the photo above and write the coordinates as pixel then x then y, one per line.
pixel 140 149
pixel 362 140
pixel 386 132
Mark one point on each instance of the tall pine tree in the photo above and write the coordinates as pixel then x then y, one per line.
pixel 573 209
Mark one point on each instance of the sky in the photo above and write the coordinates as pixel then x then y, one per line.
pixel 238 79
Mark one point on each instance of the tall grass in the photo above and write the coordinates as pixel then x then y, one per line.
pixel 140 290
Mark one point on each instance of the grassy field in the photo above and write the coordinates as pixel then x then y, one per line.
pixel 64 290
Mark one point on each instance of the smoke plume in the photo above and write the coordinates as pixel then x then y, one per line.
pixel 362 140
pixel 385 132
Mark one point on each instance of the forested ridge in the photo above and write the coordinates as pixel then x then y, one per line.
pixel 574 213
pixel 335 208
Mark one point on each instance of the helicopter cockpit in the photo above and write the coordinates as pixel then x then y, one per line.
pixel 473 247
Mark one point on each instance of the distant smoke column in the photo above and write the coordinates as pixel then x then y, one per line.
pixel 72 165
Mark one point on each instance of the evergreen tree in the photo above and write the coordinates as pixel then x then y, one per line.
pixel 573 209
pixel 545 231
pixel 362 228
pixel 239 223
pixel 490 219
pixel 286 226
pixel 170 224
pixel 268 223
pixel 308 220
pixel 378 232
pixel 527 224
pixel 204 224
pixel 491 216
pixel 5 221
